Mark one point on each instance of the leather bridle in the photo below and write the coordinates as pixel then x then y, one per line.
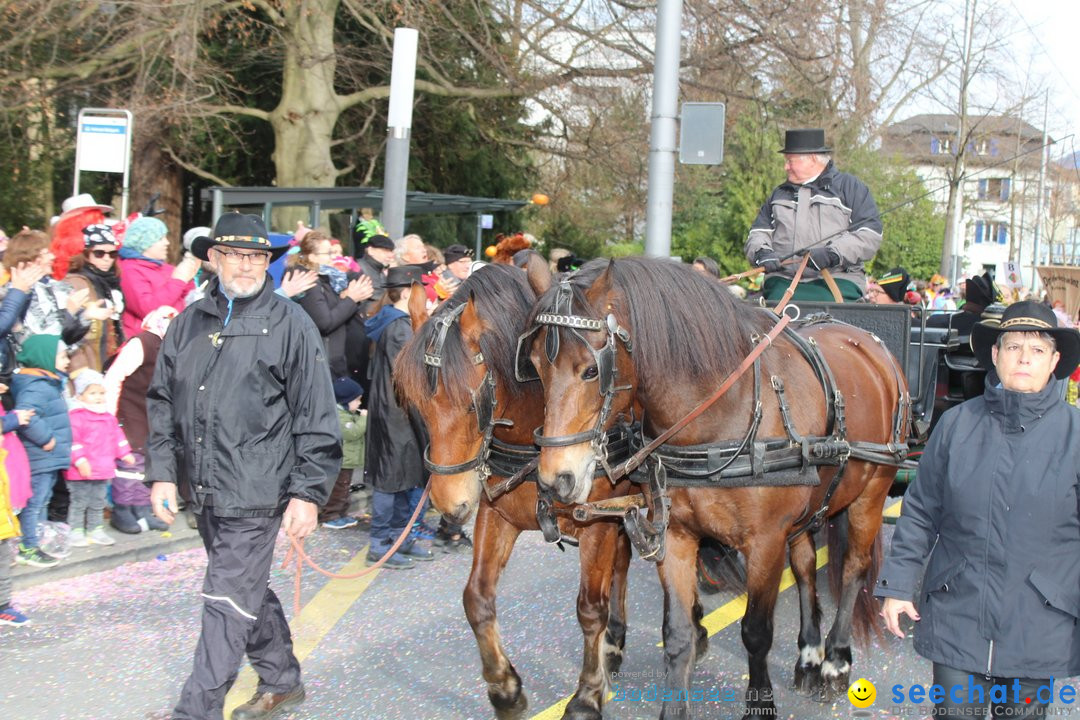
pixel 560 315
pixel 483 405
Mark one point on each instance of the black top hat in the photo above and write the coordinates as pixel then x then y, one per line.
pixel 804 141
pixel 246 232
pixel 455 253
pixel 403 276
pixel 1028 316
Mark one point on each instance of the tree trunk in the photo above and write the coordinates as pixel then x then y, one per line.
pixel 152 171
pixel 305 117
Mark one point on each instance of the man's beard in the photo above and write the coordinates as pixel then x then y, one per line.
pixel 236 293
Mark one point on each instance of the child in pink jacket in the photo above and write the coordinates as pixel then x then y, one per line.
pixel 97 442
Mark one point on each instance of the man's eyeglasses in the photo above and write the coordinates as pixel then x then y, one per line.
pixel 256 259
pixel 99 254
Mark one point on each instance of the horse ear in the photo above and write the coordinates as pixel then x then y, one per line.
pixel 471 323
pixel 418 306
pixel 603 284
pixel 539 274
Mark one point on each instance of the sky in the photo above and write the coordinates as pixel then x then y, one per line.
pixel 1046 33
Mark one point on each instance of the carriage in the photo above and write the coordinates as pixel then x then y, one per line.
pixel 607 452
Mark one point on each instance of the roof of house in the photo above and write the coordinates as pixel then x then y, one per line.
pixel 945 124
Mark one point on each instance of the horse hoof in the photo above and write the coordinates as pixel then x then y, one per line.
pixel 580 710
pixel 613 660
pixel 507 709
pixel 702 644
pixel 809 683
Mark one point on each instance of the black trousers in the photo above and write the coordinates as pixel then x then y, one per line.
pixel 241 615
pixel 1015 703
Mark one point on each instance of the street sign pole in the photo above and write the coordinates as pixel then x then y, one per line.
pixel 103 144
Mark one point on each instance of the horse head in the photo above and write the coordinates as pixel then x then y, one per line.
pixel 582 353
pixel 457 372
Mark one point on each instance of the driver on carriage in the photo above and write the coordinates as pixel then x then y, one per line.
pixel 819 211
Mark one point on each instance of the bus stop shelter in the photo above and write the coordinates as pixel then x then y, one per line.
pixel 351 199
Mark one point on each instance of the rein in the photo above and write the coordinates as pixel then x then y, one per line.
pixel 637 458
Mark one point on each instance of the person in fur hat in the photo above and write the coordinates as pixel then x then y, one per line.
pixel 508 246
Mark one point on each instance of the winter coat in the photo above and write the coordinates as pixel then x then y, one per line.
pixel 331 314
pixel 838 205
pixel 353 427
pixel 244 411
pixel 47 314
pixel 43 391
pixel 376 272
pixel 395 439
pixel 9 524
pixel 147 285
pixel 97 438
pixel 11 312
pixel 104 337
pixel 133 385
pixel 997 489
pixel 15 463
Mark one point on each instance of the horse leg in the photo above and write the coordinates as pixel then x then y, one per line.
pixel 493 542
pixel 811 652
pixel 855 605
pixel 598 550
pixel 702 633
pixel 678 576
pixel 764 565
pixel 615 635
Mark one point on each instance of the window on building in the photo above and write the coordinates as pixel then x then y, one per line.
pixel 940 146
pixel 991 232
pixel 994 189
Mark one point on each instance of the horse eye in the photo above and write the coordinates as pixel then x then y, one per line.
pixel 590 373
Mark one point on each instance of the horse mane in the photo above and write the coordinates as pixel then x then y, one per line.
pixel 680 322
pixel 502 297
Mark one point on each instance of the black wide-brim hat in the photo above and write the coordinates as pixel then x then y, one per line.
pixel 403 276
pixel 244 232
pixel 1028 316
pixel 804 141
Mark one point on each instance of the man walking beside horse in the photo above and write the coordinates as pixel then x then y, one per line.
pixel 821 212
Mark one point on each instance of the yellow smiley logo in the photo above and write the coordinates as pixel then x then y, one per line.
pixel 862 693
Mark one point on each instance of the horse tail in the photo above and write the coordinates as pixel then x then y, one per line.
pixel 865 624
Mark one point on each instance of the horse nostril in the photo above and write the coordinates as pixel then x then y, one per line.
pixel 564 485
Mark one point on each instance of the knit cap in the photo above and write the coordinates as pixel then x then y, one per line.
pixel 39 351
pixel 143 233
pixel 346 390
pixel 87 377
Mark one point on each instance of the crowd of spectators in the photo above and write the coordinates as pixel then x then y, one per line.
pixel 83 311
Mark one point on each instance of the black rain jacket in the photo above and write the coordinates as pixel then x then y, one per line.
pixel 243 412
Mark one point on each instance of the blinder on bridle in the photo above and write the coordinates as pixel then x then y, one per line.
pixel 482 404
pixel 560 315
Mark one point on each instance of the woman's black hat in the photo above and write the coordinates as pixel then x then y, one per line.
pixel 804 141
pixel 1028 316
pixel 245 232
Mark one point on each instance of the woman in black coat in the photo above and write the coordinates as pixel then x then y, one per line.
pixel 333 301
pixel 996 509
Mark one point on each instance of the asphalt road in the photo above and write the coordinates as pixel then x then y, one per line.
pixel 393 645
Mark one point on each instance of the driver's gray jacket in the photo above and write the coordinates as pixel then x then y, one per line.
pixel 834 205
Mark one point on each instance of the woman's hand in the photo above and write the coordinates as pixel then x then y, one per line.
pixel 359 289
pixel 25 275
pixel 891 610
pixel 97 310
pixel 298 281
pixel 76 300
pixel 185 270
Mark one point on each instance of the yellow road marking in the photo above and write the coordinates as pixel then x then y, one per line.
pixel 312 624
pixel 893 511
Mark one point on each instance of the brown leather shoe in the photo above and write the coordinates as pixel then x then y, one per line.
pixel 268 705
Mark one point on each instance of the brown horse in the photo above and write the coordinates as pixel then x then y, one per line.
pixel 448 372
pixel 655 333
